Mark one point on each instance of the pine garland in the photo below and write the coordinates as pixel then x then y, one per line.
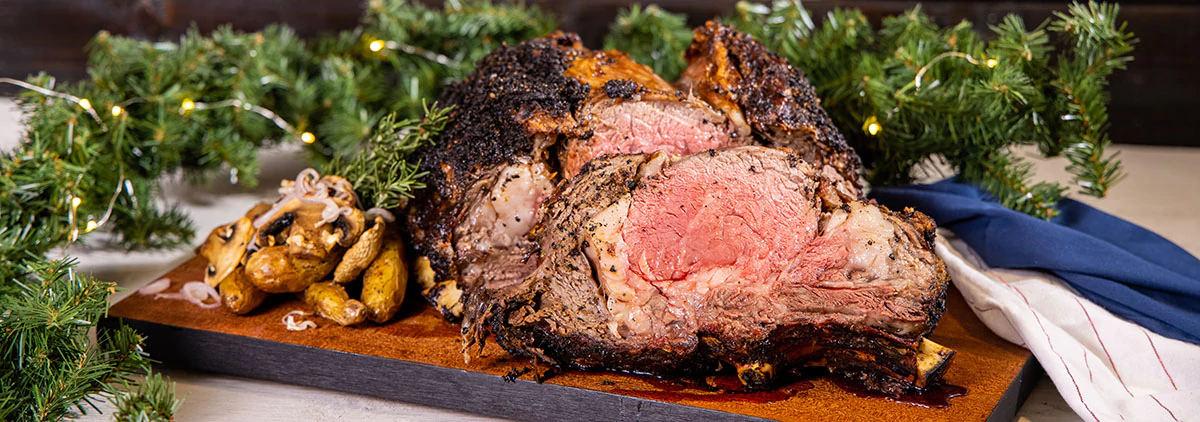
pixel 906 94
pixel 912 92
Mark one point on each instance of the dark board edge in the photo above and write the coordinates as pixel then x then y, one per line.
pixel 399 380
pixel 1017 392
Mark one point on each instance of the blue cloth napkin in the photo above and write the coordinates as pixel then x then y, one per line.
pixel 1127 269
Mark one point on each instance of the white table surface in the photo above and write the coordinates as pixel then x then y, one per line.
pixel 1161 193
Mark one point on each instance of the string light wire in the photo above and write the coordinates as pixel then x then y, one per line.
pixel 189 105
pixel 416 51
pixel 925 68
pixel 82 102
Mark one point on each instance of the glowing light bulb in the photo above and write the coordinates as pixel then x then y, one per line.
pixel 91 225
pixel 376 46
pixel 75 201
pixel 872 126
pixel 308 137
pixel 991 63
pixel 187 105
pixel 85 104
pixel 117 110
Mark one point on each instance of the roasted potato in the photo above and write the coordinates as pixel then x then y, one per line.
pixel 273 270
pixel 361 254
pixel 332 302
pixel 238 295
pixel 385 281
pixel 446 295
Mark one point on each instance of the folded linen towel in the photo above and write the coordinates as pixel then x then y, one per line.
pixel 1104 366
pixel 1130 271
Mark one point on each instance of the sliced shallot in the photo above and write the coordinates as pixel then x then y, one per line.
pixel 156 286
pixel 196 292
pixel 330 212
pixel 289 320
pixel 307 179
pixel 170 296
pixel 387 215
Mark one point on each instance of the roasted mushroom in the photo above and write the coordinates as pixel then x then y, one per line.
pixel 225 248
pixel 319 227
pixel 308 237
pixel 274 229
pixel 349 225
pixel 338 187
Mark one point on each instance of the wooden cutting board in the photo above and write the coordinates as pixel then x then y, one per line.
pixel 417 359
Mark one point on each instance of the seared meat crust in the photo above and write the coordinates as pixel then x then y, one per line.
pixel 736 73
pixel 515 104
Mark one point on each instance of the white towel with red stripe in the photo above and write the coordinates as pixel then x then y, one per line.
pixel 1106 368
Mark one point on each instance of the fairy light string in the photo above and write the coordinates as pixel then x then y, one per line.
pixel 83 103
pixel 117 111
pixel 871 125
pixel 377 46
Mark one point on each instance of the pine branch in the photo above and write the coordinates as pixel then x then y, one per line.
pixel 1009 179
pixel 1100 46
pixel 153 399
pixel 47 364
pixel 653 37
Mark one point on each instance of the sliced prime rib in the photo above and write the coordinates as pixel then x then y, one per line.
pixel 537 121
pixel 747 256
pixel 545 107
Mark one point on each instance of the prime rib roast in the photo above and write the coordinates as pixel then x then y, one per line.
pixel 585 212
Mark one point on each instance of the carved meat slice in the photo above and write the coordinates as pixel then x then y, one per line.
pixel 747 257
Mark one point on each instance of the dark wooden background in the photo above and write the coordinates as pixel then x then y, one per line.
pixel 1156 101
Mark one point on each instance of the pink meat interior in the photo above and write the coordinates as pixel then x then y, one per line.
pixel 627 127
pixel 736 243
pixel 708 224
